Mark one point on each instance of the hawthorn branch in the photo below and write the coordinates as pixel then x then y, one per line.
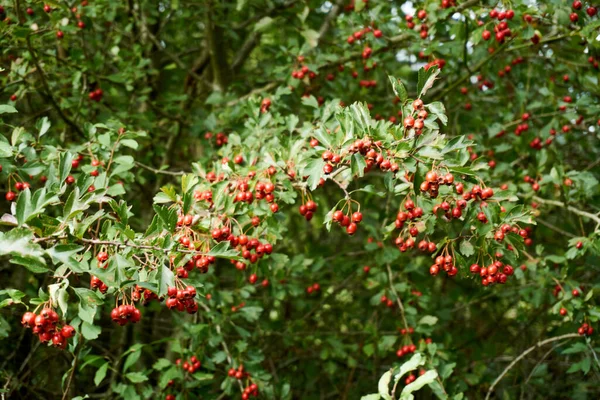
pixel 160 171
pixel 251 42
pixel 332 15
pixel 574 210
pixel 269 12
pixel 223 342
pixel 48 92
pixel 523 354
pixel 398 300
pixel 66 392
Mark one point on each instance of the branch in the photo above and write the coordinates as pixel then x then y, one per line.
pixel 555 228
pixel 400 305
pixel 243 53
pixel 217 49
pixel 271 11
pixel 66 392
pixel 568 207
pixel 333 13
pixel 48 92
pixel 160 171
pixel 523 354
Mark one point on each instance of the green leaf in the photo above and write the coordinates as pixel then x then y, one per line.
pixel 7 109
pixel 310 101
pixel 314 171
pixel 399 89
pixel 415 362
pixel 223 250
pixel 131 359
pixel 428 320
pixel 421 381
pixel 384 385
pixel 162 363
pixel 101 373
pixel 90 331
pixel 374 396
pixel 43 125
pixel 426 79
pixel 6 150
pixel 58 294
pixel 358 165
pixel 23 206
pixel 64 166
pixel 466 248
pixel 437 108
pixel 166 279
pixel 136 377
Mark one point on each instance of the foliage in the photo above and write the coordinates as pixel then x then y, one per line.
pixel 292 199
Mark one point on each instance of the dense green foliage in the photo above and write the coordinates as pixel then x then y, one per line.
pixel 299 199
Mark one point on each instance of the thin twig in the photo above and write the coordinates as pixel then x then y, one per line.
pixel 568 207
pixel 160 171
pixel 400 305
pixel 523 354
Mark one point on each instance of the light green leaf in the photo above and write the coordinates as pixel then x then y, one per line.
pixel 399 89
pixel 384 385
pixel 7 109
pixel 421 381
pixel 100 373
pixel 428 320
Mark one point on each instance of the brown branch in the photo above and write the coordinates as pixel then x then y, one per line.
pixel 574 210
pixel 66 392
pixel 269 12
pixel 217 49
pixel 160 171
pixel 48 93
pixel 251 42
pixel 523 354
pixel 400 305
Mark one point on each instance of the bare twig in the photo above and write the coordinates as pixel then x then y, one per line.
pixel 393 289
pixel 160 171
pixel 574 210
pixel 523 354
pixel 48 93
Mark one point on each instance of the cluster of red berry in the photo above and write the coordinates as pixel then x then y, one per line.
pixel 125 313
pixel 445 263
pixel 46 326
pixel 432 183
pixel 350 223
pixel 578 5
pixel 501 30
pixel 448 3
pixel 496 272
pixel 182 299
pixel 314 288
pixel 534 184
pixel 96 283
pixel 250 390
pixel 253 278
pixel 421 15
pixel 361 33
pixel 220 138
pixel 138 293
pixel 191 366
pixel 102 258
pixel 308 209
pixel 96 95
pixel 406 349
pixel 585 330
pixel 385 300
pixel 417 124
